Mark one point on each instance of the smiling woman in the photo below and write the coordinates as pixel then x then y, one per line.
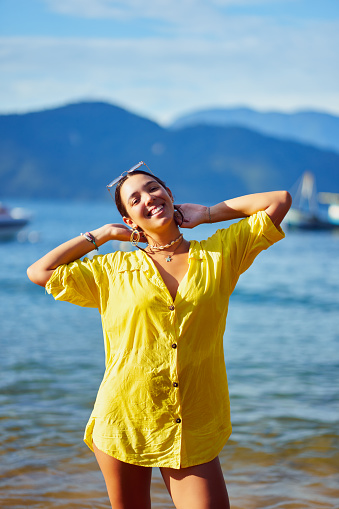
pixel 164 397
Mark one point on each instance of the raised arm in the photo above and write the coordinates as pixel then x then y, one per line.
pixel 276 204
pixel 40 271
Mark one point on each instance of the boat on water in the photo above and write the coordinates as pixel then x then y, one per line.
pixel 312 210
pixel 12 220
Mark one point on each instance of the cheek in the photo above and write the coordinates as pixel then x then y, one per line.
pixel 134 214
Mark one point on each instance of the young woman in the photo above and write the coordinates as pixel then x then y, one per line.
pixel 164 398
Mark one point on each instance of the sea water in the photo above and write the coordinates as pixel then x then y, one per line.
pixel 282 356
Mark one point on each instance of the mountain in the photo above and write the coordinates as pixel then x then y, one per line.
pixel 75 150
pixel 315 128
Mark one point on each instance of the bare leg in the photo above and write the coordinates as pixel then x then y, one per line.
pixel 199 487
pixel 128 486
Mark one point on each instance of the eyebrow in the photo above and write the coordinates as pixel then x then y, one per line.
pixel 144 186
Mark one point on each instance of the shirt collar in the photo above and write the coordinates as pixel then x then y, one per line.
pixel 137 260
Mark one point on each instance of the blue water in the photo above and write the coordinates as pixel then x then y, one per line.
pixel 282 355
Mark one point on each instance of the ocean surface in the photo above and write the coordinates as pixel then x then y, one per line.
pixel 282 356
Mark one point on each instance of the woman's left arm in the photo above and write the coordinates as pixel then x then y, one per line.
pixel 276 204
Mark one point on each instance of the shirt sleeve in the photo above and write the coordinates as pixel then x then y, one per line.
pixel 244 240
pixel 78 282
pixel 249 237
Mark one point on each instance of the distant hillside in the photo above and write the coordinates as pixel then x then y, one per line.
pixel 315 128
pixel 74 151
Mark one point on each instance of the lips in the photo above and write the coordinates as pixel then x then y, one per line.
pixel 155 210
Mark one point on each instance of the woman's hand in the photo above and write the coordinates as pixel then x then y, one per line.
pixel 122 232
pixel 194 214
pixel 118 232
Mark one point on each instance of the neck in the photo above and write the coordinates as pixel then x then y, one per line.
pixel 163 238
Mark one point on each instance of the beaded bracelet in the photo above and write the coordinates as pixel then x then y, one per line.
pixel 88 236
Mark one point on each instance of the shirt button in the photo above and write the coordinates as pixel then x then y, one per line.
pixel 175 384
pixel 174 345
pixel 171 307
pixel 178 420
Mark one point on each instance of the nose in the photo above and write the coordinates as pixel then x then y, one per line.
pixel 148 198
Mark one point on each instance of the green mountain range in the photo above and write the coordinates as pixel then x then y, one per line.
pixel 75 150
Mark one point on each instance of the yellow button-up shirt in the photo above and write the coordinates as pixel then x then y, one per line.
pixel 164 397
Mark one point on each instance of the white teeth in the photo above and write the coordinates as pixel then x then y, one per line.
pixel 156 210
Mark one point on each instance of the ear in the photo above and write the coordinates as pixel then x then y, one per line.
pixel 170 193
pixel 130 222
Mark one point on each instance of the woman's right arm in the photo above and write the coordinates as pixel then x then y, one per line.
pixel 40 271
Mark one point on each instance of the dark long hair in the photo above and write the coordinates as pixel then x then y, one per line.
pixel 178 216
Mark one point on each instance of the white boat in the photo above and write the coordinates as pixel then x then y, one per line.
pixel 309 210
pixel 12 221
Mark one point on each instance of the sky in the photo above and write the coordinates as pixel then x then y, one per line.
pixel 165 58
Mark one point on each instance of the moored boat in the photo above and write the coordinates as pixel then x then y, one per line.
pixel 310 211
pixel 12 220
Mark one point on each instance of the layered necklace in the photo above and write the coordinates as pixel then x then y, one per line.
pixel 160 248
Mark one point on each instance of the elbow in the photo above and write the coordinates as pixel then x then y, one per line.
pixel 30 273
pixel 279 207
pixel 286 200
pixel 36 277
pixel 283 206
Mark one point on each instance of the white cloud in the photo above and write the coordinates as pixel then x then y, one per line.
pixel 160 9
pixel 167 10
pixel 168 17
pixel 255 62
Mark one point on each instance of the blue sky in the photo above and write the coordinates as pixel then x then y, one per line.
pixel 162 58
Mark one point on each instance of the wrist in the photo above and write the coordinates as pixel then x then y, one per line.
pixel 102 234
pixel 208 216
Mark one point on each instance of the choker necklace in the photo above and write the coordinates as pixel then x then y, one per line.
pixel 167 245
pixel 169 256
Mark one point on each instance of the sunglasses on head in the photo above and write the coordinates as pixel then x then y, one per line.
pixel 131 170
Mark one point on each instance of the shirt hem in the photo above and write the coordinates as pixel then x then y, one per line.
pixel 88 439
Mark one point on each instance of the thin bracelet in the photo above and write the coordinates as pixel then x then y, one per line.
pixel 88 236
pixel 209 214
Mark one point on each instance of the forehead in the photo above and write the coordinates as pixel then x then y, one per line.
pixel 135 183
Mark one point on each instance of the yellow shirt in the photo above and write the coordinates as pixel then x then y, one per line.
pixel 164 397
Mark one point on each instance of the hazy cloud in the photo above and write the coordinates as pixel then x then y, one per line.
pixel 258 63
pixel 190 16
pixel 168 10
pixel 199 57
pixel 161 9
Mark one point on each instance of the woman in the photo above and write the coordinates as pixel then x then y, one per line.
pixel 164 398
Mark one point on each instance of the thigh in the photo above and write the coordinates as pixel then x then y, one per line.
pixel 201 486
pixel 128 486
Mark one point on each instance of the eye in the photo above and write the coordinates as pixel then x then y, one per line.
pixel 154 188
pixel 134 201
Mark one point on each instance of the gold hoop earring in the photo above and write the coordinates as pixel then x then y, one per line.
pixel 135 237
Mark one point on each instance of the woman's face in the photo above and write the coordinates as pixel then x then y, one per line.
pixel 148 204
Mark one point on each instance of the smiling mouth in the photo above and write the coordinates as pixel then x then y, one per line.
pixel 155 210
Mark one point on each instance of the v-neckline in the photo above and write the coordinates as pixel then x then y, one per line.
pixel 159 276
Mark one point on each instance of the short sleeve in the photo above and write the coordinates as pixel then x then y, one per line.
pixel 247 238
pixel 79 282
